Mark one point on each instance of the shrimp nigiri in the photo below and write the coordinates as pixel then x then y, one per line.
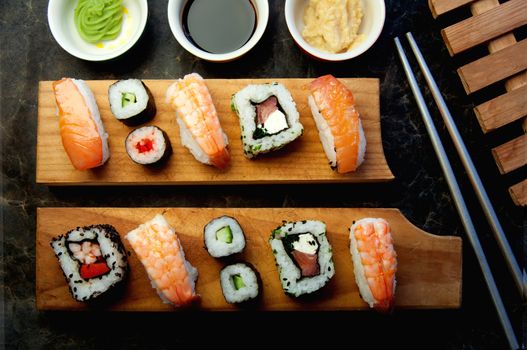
pixel 81 128
pixel 374 262
pixel 199 126
pixel 158 247
pixel 338 123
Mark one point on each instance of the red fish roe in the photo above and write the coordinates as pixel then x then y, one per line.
pixel 145 145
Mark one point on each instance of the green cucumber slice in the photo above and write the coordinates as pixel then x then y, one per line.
pixel 224 234
pixel 127 98
pixel 238 282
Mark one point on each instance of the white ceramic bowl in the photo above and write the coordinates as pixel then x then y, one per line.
pixel 61 23
pixel 175 10
pixel 374 13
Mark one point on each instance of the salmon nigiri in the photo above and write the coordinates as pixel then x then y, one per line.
pixel 81 128
pixel 159 249
pixel 374 262
pixel 338 123
pixel 199 126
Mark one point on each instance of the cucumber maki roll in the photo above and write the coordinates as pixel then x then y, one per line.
pixel 131 102
pixel 223 237
pixel 303 256
pixel 268 117
pixel 239 283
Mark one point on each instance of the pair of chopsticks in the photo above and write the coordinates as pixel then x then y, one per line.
pixel 519 276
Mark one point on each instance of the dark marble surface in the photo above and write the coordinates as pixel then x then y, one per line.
pixel 29 54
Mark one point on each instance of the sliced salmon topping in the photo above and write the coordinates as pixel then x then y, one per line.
pixel 308 263
pixel 78 130
pixel 264 109
pixel 337 106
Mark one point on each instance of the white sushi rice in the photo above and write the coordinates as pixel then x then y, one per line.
pixel 121 87
pixel 217 248
pixel 188 141
pixel 112 251
pixel 87 94
pixel 233 295
pixel 358 269
pixel 243 103
pixel 290 275
pixel 327 139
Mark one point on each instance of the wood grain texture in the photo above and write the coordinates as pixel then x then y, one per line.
pixel 511 155
pixel 302 161
pixel 494 67
pixel 485 27
pixel 428 276
pixel 519 193
pixel 439 7
pixel 502 110
pixel 491 121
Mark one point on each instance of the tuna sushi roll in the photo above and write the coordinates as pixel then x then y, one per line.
pixel 81 128
pixel 303 256
pixel 159 249
pixel 131 101
pixel 223 237
pixel 148 145
pixel 374 262
pixel 239 283
pixel 92 259
pixel 199 126
pixel 268 118
pixel 338 123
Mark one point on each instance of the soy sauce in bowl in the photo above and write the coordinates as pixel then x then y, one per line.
pixel 219 26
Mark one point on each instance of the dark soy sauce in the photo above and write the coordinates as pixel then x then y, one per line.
pixel 219 26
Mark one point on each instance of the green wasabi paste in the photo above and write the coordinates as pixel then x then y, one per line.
pixel 98 20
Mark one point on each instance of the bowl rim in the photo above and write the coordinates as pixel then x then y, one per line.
pixel 326 56
pixel 175 26
pixel 86 55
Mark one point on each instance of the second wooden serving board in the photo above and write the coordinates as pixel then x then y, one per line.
pixel 428 276
pixel 302 161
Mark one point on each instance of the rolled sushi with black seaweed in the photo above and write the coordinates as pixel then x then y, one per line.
pixel 303 256
pixel 268 118
pixel 148 145
pixel 239 283
pixel 93 260
pixel 131 102
pixel 223 237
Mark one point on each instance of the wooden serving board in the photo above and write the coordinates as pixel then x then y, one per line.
pixel 428 276
pixel 302 161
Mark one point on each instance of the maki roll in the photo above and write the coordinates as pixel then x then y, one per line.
pixel 81 129
pixel 131 101
pixel 239 283
pixel 268 117
pixel 338 123
pixel 223 237
pixel 374 262
pixel 148 145
pixel 92 259
pixel 303 256
pixel 158 248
